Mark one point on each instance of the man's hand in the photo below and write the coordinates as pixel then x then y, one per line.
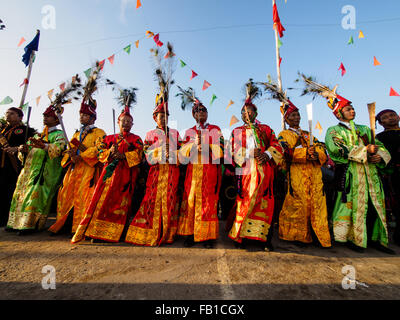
pixel 197 141
pixel 11 150
pixel 37 143
pixel 23 148
pixel 312 155
pixel 254 153
pixel 262 158
pixel 372 148
pixel 376 158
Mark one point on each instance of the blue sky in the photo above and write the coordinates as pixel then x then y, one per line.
pixel 225 41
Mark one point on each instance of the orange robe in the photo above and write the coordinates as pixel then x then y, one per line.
pixel 156 221
pixel 305 203
pixel 79 182
pixel 199 208
pixel 106 215
pixel 255 201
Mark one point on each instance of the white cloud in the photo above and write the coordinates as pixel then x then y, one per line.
pixel 124 5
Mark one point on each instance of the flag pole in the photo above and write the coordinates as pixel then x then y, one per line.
pixel 278 67
pixel 31 58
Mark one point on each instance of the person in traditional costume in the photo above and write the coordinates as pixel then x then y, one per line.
pixel 390 138
pixel 359 216
pixel 82 162
pixel 108 210
pixel 255 152
pixel 39 179
pixel 304 211
pixel 202 150
pixel 156 221
pixel 12 135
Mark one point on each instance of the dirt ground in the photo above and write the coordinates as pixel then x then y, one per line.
pixel 122 271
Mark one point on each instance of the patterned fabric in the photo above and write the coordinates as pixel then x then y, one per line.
pixel 156 221
pixel 79 182
pixel 37 184
pixel 108 209
pixel 304 207
pixel 199 209
pixel 255 201
pixel 360 182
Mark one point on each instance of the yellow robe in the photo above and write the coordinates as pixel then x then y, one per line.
pixel 79 181
pixel 305 203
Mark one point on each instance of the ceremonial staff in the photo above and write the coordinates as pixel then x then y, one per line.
pixel 371 112
pixel 309 114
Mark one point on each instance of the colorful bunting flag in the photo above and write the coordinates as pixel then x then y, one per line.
pixel 279 43
pixel 182 63
pixel 206 84
pixel 194 74
pixel 88 72
pixel 21 41
pixel 137 43
pixel 101 64
pixel 318 127
pixel 393 93
pixel 24 107
pixel 6 100
pixel 62 86
pixel 168 55
pixel 229 104
pixel 351 41
pixel 233 121
pixel 280 60
pixel 127 49
pixel 149 34
pixel 342 68
pixel 37 100
pixel 212 99
pixel 26 81
pixel 360 35
pixel 138 4
pixel 157 40
pixel 50 93
pixel 277 21
pixel 111 59
pixel 376 62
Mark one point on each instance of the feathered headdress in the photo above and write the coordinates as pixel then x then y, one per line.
pixel 64 96
pixel 163 72
pixel 253 92
pixel 127 97
pixel 287 107
pixel 188 97
pixel 92 84
pixel 334 101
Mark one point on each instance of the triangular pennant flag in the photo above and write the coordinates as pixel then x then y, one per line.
pixel 127 49
pixel 149 34
pixel 279 43
pixel 21 41
pixel 280 60
pixel 137 43
pixel 233 121
pixel 50 93
pixel 157 40
pixel 206 84
pixel 37 100
pixel 351 41
pixel 182 63
pixel 360 35
pixel 393 93
pixel 318 127
pixel 194 74
pixel 342 68
pixel 229 104
pixel 88 72
pixel 213 98
pixel 6 100
pixel 26 81
pixel 111 59
pixel 138 4
pixel 62 86
pixel 277 21
pixel 24 107
pixel 101 64
pixel 376 62
pixel 168 55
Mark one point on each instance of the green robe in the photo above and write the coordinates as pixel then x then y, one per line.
pixel 349 217
pixel 37 184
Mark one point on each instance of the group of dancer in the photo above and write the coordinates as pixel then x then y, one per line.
pixel 94 176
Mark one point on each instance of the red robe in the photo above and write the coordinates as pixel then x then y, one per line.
pixel 255 200
pixel 156 221
pixel 199 208
pixel 108 210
